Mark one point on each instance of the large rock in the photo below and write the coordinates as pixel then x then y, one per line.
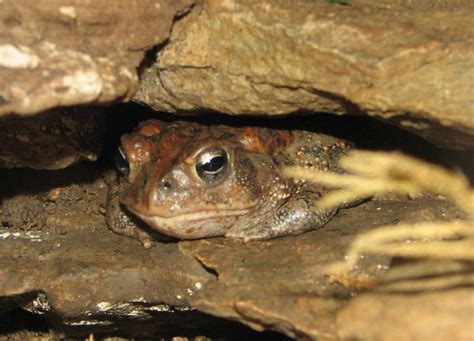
pixel 407 62
pixel 86 279
pixel 54 53
pixel 411 63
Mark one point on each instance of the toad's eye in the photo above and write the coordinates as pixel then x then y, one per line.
pixel 212 165
pixel 121 162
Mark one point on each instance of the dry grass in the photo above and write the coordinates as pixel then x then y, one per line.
pixel 377 173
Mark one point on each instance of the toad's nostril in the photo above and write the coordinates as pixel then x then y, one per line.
pixel 167 184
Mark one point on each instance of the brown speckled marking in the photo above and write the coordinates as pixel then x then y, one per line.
pixel 150 128
pixel 264 140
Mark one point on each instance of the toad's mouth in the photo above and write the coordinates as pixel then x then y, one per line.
pixel 192 216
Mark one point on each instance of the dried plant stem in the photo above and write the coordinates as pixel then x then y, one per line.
pixel 376 173
pixel 414 241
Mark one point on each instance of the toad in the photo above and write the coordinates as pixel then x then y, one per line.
pixel 189 181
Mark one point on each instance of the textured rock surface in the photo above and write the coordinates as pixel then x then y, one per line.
pixel 54 53
pixel 424 316
pixel 282 284
pixel 73 269
pixel 404 61
pixel 409 62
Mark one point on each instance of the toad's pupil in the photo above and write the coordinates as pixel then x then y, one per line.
pixel 121 163
pixel 214 165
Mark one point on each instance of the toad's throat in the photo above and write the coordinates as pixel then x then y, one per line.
pixel 192 216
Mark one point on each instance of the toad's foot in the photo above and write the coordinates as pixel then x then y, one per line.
pixel 122 222
pixel 299 214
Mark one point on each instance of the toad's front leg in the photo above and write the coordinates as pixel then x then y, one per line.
pixel 298 214
pixel 120 221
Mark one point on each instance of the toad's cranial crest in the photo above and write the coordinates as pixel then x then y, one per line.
pixel 193 181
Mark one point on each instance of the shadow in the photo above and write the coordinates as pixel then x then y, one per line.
pixel 20 324
pixel 31 181
pixel 364 132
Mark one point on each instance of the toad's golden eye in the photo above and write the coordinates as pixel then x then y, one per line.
pixel 212 165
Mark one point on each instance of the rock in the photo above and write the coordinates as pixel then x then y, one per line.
pixel 53 140
pixel 405 62
pixel 282 284
pixel 56 54
pixel 423 316
pixel 85 269
pixel 84 278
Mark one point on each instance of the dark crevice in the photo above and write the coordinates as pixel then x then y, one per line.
pixel 363 131
pixel 151 55
pixel 206 267
pixel 30 181
pixel 349 107
pixel 181 14
pixel 21 320
pixel 19 324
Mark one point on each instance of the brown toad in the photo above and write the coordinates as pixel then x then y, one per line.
pixel 189 181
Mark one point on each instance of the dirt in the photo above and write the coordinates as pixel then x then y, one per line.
pixel 54 201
